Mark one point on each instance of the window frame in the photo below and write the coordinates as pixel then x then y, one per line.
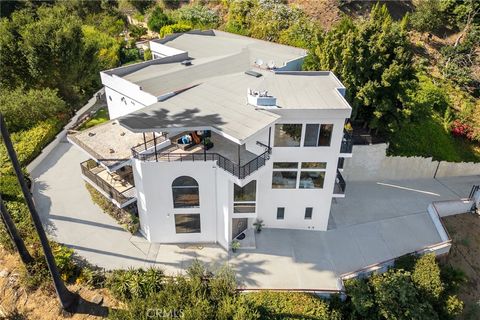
pixel 176 204
pixel 308 217
pixel 275 135
pixel 187 232
pixel 318 134
pixel 245 203
pixel 300 169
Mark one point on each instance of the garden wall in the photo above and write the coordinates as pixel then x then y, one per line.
pixel 371 163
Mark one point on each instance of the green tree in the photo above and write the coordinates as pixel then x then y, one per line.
pixel 374 61
pixel 197 16
pixel 136 32
pixel 24 109
pixel 428 16
pixel 238 17
pixel 157 20
pixel 142 5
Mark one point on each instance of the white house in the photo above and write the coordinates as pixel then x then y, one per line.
pixel 216 131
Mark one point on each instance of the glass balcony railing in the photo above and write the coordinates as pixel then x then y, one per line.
pixel 347 143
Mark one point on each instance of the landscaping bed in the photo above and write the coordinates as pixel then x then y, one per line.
pixel 464 255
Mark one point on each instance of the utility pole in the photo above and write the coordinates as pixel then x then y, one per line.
pixel 14 235
pixel 68 300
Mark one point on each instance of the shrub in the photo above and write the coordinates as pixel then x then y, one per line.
pixel 428 16
pixel 93 278
pixel 174 28
pixel 135 283
pixel 361 298
pixel 289 305
pixel 461 129
pixel 29 143
pixel 426 276
pixel 64 260
pixel 453 306
pixel 397 297
pixel 157 20
pixel 127 219
pixel 137 32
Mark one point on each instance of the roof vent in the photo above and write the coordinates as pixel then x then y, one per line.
pixel 253 73
pixel 186 62
pixel 261 99
pixel 271 65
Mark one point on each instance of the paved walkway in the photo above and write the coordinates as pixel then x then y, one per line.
pixel 375 222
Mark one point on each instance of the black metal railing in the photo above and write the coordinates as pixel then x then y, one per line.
pixel 240 171
pixel 87 170
pixel 347 143
pixel 148 144
pixel 340 184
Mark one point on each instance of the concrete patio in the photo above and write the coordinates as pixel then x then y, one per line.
pixel 375 222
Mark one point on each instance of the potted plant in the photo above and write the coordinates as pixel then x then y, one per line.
pixel 258 225
pixel 235 245
pixel 208 144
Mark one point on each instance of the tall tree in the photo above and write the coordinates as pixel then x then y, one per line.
pixel 374 61
pixel 14 235
pixel 67 299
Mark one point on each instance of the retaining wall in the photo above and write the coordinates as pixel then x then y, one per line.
pixel 371 163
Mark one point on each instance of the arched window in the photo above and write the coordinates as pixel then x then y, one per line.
pixel 185 192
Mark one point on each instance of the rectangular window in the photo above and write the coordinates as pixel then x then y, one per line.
pixel 244 198
pixel 314 165
pixel 317 135
pixel 285 165
pixel 284 179
pixel 288 135
pixel 325 135
pixel 187 223
pixel 185 197
pixel 311 135
pixel 280 213
pixel 311 179
pixel 308 213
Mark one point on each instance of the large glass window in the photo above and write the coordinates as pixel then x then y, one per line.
pixel 288 135
pixel 245 198
pixel 311 179
pixel 317 135
pixel 187 223
pixel 285 165
pixel 284 179
pixel 185 193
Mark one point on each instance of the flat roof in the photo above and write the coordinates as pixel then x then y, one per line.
pixel 220 103
pixel 202 44
pixel 109 143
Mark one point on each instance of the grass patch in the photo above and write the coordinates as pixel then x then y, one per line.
pixel 430 138
pixel 99 117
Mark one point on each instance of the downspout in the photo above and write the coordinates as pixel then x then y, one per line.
pixel 155 146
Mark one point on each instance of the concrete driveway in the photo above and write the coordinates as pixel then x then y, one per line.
pixel 376 221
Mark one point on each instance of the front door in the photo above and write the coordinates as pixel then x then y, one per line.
pixel 238 226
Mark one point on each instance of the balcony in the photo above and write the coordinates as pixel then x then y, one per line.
pixel 223 152
pixel 346 146
pixel 117 186
pixel 340 186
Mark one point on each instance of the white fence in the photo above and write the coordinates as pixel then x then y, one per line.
pixel 371 163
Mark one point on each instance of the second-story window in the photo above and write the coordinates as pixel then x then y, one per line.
pixel 288 175
pixel 288 135
pixel 318 135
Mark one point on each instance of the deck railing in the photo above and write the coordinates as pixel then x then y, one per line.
pixel 148 144
pixel 120 197
pixel 239 171
pixel 340 184
pixel 347 143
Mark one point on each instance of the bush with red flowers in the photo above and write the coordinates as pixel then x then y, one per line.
pixel 461 129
